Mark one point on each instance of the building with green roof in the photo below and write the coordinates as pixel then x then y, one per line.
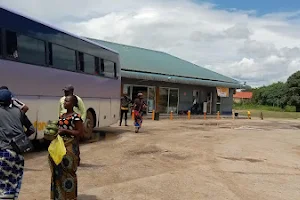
pixel 172 84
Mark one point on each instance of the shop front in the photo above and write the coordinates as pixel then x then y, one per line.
pixel 161 99
pixel 168 100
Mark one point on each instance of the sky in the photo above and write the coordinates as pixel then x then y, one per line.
pixel 255 41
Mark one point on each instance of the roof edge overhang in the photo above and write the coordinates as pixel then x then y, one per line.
pixel 181 80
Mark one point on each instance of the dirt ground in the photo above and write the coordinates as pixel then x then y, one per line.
pixel 183 160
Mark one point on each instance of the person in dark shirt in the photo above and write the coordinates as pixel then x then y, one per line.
pixel 125 102
pixel 16 102
pixel 24 108
pixel 11 162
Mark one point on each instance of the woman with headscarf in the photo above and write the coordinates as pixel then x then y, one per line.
pixel 64 178
pixel 11 161
pixel 138 108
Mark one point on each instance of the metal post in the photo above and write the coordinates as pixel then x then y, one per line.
pixel 189 115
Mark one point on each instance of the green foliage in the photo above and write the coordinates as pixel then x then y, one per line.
pixel 293 90
pixel 279 95
pixel 272 95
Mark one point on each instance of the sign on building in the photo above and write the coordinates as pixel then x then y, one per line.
pixel 223 92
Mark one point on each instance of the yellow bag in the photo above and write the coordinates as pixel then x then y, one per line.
pixel 57 149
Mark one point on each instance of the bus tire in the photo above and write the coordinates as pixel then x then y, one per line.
pixel 89 125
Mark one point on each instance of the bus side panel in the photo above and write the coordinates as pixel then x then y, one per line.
pixel 115 110
pixel 92 103
pixel 31 102
pixel 48 110
pixel 105 116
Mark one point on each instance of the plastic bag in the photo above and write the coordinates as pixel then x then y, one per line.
pixel 57 149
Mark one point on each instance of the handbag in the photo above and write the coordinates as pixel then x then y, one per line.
pixel 21 144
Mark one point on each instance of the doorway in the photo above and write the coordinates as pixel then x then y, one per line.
pixel 209 102
pixel 168 100
pixel 139 89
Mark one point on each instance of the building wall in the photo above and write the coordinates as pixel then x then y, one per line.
pixel 186 94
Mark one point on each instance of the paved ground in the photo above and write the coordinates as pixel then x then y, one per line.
pixel 184 160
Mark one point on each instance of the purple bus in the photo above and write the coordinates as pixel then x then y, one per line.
pixel 37 61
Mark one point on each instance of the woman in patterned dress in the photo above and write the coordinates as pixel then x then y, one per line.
pixel 64 178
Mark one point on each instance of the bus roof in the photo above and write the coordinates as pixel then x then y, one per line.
pixel 58 29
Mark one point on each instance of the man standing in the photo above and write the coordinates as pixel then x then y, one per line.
pixel 80 108
pixel 125 101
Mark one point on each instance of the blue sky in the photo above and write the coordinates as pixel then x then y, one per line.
pixel 260 6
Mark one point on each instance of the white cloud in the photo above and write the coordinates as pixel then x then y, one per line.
pixel 258 50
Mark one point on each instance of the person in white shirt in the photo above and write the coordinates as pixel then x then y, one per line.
pixel 80 108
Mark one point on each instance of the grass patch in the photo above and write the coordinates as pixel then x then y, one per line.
pixel 270 114
pixel 262 107
pixel 268 111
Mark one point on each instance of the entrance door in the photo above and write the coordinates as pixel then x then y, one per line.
pixel 151 99
pixel 163 102
pixel 196 96
pixel 209 102
pixel 138 89
pixel 173 100
pixel 168 100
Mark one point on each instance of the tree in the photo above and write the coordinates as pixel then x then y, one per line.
pixel 271 95
pixel 293 90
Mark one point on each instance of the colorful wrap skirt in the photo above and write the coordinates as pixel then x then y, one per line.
pixel 11 174
pixel 63 176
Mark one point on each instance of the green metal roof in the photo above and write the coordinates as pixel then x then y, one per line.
pixel 136 62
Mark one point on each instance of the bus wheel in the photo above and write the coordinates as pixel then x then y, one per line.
pixel 89 126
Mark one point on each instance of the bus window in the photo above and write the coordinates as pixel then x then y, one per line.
pixel 97 66
pixel 86 63
pixel 109 69
pixel 50 61
pixel 102 67
pixel 115 70
pixel 11 44
pixel 89 64
pixel 63 58
pixel 1 44
pixel 25 49
pixel 81 61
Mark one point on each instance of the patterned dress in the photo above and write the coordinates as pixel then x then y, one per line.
pixel 11 174
pixel 64 178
